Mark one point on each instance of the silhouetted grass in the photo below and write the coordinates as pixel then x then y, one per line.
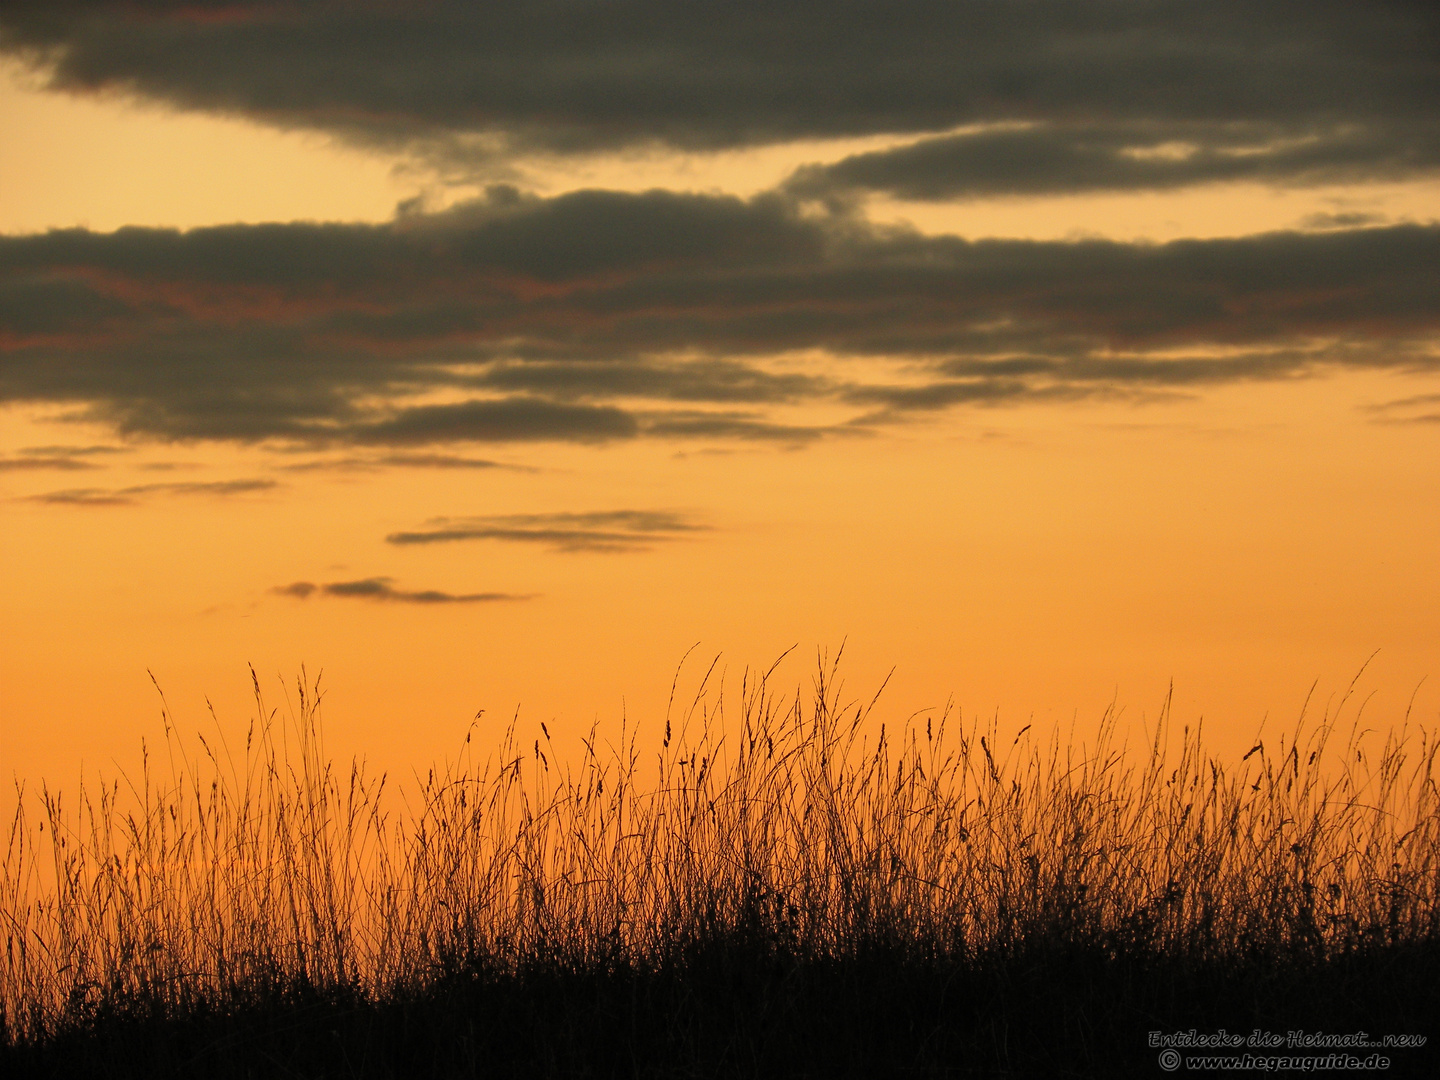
pixel 797 891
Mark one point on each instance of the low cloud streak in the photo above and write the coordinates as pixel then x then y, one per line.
pixel 595 531
pixel 129 496
pixel 1059 159
pixel 379 588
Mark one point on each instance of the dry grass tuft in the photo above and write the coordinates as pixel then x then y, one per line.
pixel 234 879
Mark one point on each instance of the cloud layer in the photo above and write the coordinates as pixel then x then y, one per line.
pixel 600 316
pixel 477 82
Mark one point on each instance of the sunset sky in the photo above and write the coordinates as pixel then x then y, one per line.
pixel 490 356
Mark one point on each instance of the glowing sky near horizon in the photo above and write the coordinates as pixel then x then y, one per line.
pixel 497 379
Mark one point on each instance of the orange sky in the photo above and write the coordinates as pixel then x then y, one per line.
pixel 1040 553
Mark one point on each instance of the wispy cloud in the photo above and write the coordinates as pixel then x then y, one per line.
pixel 1417 409
pixel 1125 155
pixel 379 588
pixel 1343 219
pixel 128 496
pixel 66 464
pixel 725 424
pixel 66 450
pixel 605 530
pixel 400 461
pixel 59 458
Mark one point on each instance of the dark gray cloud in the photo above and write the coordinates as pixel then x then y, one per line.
pixel 505 420
pixel 128 496
pixel 942 393
pixel 379 588
pixel 708 380
pixel 575 75
pixel 602 530
pixel 1075 157
pixel 278 331
pixel 489 323
pixel 685 424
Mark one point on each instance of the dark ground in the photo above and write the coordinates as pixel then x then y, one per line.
pixel 724 1010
